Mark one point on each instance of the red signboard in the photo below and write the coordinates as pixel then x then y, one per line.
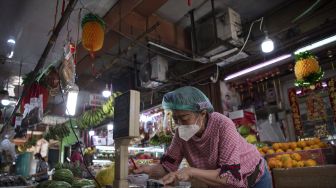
pixel 295 111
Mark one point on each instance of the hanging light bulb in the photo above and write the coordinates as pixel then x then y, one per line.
pixel 110 126
pixel 106 93
pixel 267 45
pixel 5 102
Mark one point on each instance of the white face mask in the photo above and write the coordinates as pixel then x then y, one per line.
pixel 188 131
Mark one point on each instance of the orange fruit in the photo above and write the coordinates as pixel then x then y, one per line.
pixel 284 146
pixel 262 153
pixel 272 163
pixel 293 145
pixel 296 156
pixel 278 157
pixel 270 152
pixel 265 149
pixel 316 141
pixel 278 164
pixel 289 150
pixel 301 144
pixel 297 149
pixel 276 146
pixel 279 151
pixel 285 158
pixel 310 162
pixel 310 142
pixel 300 164
pixel 323 145
pixel 295 163
pixel 315 146
pixel 307 148
pixel 287 164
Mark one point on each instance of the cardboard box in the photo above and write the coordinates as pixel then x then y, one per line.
pixel 306 177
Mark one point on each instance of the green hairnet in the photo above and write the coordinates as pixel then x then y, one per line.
pixel 186 98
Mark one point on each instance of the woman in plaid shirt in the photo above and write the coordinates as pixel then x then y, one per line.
pixel 218 156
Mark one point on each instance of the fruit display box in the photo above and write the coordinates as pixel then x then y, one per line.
pixel 305 177
pixel 318 155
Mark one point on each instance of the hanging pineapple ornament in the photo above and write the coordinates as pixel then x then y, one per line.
pixel 307 70
pixel 93 32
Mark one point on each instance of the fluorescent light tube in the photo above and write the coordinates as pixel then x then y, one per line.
pixel 72 101
pixel 317 44
pixel 256 67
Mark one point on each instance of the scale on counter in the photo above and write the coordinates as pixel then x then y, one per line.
pixel 126 127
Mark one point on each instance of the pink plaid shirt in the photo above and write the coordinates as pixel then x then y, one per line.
pixel 220 147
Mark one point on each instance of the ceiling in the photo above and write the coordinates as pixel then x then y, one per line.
pixel 30 23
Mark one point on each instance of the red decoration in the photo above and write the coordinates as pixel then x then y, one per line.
pixel 34 91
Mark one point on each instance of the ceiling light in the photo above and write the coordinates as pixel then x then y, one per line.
pixel 267 45
pixel 324 84
pixel 317 44
pixel 72 101
pixel 10 55
pixel 107 92
pixel 11 41
pixel 5 102
pixel 91 133
pixel 256 67
pixel 298 92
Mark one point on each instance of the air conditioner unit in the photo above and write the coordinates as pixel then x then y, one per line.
pixel 154 73
pixel 222 39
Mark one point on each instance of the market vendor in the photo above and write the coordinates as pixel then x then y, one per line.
pixel 76 156
pixel 218 156
pixel 41 169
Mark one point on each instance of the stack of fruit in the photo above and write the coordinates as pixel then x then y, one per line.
pixel 314 143
pixel 246 132
pixel 293 160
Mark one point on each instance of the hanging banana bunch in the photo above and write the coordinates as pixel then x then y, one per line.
pixel 57 132
pixel 94 117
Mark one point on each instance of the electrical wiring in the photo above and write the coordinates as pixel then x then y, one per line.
pixel 80 148
pixel 250 30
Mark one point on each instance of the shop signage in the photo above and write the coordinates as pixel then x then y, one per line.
pixel 332 96
pixel 295 111
pixel 96 100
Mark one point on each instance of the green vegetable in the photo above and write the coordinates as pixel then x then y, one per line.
pixel 243 130
pixel 82 182
pixel 59 184
pixel 63 175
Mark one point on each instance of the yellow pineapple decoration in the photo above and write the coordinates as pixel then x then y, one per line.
pixel 307 69
pixel 93 32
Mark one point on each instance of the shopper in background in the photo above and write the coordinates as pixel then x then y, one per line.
pixel 218 156
pixel 41 169
pixel 76 155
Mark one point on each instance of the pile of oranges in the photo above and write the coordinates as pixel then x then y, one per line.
pixel 314 143
pixel 293 160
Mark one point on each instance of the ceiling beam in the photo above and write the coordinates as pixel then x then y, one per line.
pixel 149 7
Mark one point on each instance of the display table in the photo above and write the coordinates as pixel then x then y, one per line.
pixel 305 177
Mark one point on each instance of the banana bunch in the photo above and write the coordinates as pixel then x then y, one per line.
pixel 94 117
pixel 57 132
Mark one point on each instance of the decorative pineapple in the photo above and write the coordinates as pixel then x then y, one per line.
pixel 307 69
pixel 93 32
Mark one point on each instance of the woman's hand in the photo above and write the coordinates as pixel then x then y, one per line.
pixel 142 169
pixel 170 178
pixel 185 174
